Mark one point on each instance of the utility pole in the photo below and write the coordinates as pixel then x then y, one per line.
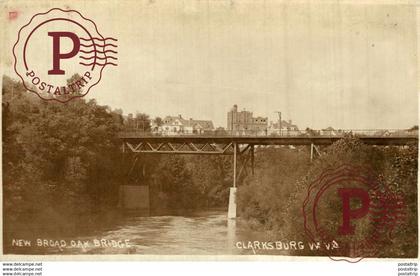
pixel 279 112
pixel 231 122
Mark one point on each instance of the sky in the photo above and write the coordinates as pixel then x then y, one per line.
pixel 321 63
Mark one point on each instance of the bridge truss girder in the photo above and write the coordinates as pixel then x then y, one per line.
pixel 184 148
pixel 241 148
pixel 243 154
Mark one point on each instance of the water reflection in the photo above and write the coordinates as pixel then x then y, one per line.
pixel 193 233
pixel 197 233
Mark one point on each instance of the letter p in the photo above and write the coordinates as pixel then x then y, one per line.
pixel 346 194
pixel 57 55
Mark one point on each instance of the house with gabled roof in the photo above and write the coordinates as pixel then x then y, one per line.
pixel 329 131
pixel 286 128
pixel 176 125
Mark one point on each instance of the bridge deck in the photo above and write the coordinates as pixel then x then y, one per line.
pixel 267 140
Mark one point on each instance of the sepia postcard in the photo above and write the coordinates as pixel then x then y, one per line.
pixel 209 130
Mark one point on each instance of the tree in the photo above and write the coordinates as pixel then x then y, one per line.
pixel 140 122
pixel 59 158
pixel 157 123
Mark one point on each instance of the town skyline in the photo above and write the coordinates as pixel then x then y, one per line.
pixel 270 123
pixel 272 117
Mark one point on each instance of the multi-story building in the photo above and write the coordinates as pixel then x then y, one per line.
pixel 243 122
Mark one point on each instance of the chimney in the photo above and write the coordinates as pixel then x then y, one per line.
pixel 179 116
pixel 290 122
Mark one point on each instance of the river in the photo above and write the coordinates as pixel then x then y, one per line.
pixel 194 233
pixel 188 233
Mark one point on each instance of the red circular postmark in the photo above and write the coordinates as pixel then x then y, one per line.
pixel 352 209
pixel 60 55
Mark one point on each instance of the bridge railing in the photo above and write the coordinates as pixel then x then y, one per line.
pixel 133 133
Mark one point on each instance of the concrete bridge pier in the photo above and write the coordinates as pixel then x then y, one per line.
pixel 232 192
pixel 232 203
pixel 134 197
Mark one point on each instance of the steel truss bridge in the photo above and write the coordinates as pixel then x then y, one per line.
pixel 244 146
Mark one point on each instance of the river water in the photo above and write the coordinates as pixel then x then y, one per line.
pixel 193 233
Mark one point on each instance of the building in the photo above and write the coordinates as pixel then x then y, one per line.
pixel 286 128
pixel 243 122
pixel 176 125
pixel 330 131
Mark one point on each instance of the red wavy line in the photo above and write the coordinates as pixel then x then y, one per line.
pixel 88 39
pixel 387 218
pixel 97 45
pixel 87 58
pixel 386 210
pixel 106 51
pixel 89 64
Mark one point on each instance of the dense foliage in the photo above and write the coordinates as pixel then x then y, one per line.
pixel 59 159
pixel 273 198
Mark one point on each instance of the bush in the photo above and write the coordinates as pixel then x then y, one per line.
pixel 273 199
pixel 264 196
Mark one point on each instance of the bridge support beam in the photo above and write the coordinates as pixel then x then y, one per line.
pixel 312 151
pixel 252 159
pixel 235 157
pixel 232 192
pixel 232 203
